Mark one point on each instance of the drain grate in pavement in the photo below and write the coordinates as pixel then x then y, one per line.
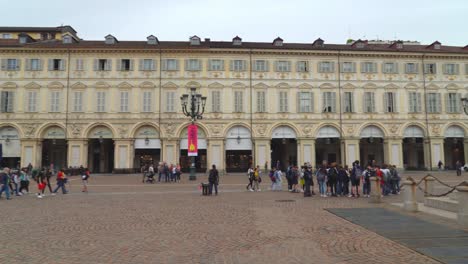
pixel 285 201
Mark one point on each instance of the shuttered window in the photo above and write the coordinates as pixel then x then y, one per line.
pixel 283 101
pixel 193 65
pixel 348 67
pixel 430 68
pixel 369 102
pixel 238 65
pixel 147 101
pixel 124 101
pixel 261 102
pixel 125 65
pixel 433 103
pixel 33 65
pixel 216 101
pixel 329 102
pixel 78 101
pixel 56 65
pixel 414 101
pixel 12 64
pixel 326 67
pixel 411 68
pixel 451 69
pixel 302 66
pixel 170 65
pixel 100 101
pixel 390 67
pixel 54 101
pixel 32 101
pixel 260 66
pixel 368 67
pixel 238 101
pixel 79 65
pixel 348 102
pixel 305 102
pixel 170 101
pixel 283 66
pixel 216 65
pixel 7 101
pixel 389 102
pixel 147 65
pixel 102 65
pixel 452 103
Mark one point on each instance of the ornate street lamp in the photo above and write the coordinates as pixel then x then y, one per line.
pixel 101 140
pixel 465 104
pixel 193 106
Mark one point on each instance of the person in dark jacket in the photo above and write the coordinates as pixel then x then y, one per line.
pixel 213 179
pixel 4 183
pixel 307 181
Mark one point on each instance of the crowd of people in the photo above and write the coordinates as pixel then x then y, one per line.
pixel 166 172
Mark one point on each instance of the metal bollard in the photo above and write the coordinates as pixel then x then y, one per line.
pixel 429 185
pixel 410 204
pixel 376 192
pixel 462 196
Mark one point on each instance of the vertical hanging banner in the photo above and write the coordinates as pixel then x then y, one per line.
pixel 192 138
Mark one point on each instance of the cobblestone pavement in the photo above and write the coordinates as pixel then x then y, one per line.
pixel 122 220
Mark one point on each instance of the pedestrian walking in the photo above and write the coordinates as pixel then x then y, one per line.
pixel 213 179
pixel 321 175
pixel 333 179
pixel 24 182
pixel 458 167
pixel 355 177
pixel 257 180
pixel 5 183
pixel 250 175
pixel 307 181
pixel 84 180
pixel 277 180
pixel 61 180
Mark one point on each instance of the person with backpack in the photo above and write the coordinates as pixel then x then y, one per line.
pixel 333 179
pixel 289 177
pixel 250 175
pixel 61 180
pixel 5 183
pixel 341 180
pixel 366 187
pixel 322 179
pixel 395 182
pixel 307 181
pixel 213 179
pixel 84 180
pixel 48 174
pixel 355 177
pixel 387 178
pixel 257 179
pixel 277 180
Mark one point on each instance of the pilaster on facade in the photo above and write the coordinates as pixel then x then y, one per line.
pixel 437 151
pixel 350 150
pixel 216 156
pixel 77 152
pixel 31 152
pixel 263 153
pixel 170 150
pixel 123 153
pixel 393 151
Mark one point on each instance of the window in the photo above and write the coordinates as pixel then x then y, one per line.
pixel 54 101
pixel 283 66
pixel 261 66
pixel 368 67
pixel 215 101
pixel 238 101
pixel 100 101
pixel 390 102
pixel 433 103
pixel 453 103
pixel 430 68
pixel 147 65
pixel 414 102
pixel 348 102
pixel 6 102
pixel 170 101
pixel 123 101
pixel 33 65
pixel 389 67
pixel 44 36
pixel 451 68
pixel 411 68
pixel 216 65
pixel 56 65
pixel 305 102
pixel 261 102
pixel 302 66
pixel 67 39
pixel 32 101
pixel 6 36
pixel 326 66
pixel 369 102
pixel 170 65
pixel 78 101
pixel 23 39
pixel 348 67
pixel 192 65
pixel 283 101
pixel 79 65
pixel 125 65
pixel 147 104
pixel 329 102
pixel 238 65
pixel 103 65
pixel 10 64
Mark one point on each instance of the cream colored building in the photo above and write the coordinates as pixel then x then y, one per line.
pixel 113 105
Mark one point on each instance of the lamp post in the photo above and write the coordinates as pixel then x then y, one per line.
pixel 193 106
pixel 465 104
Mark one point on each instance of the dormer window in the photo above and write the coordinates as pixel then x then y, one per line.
pixel 67 39
pixel 110 39
pixel 435 45
pixel 23 40
pixel 359 44
pixel 318 43
pixel 194 41
pixel 278 42
pixel 399 45
pixel 152 40
pixel 237 41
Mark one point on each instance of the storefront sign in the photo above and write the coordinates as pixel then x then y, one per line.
pixel 54 132
pixel 101 132
pixel 147 132
pixel 192 136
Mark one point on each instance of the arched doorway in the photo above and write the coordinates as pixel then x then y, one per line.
pixel 327 145
pixel 54 148
pixel 10 147
pixel 101 150
pixel 453 146
pixel 283 147
pixel 238 149
pixel 371 145
pixel 413 148
pixel 147 147
pixel 201 159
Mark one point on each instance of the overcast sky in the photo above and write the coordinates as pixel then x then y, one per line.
pixel 253 20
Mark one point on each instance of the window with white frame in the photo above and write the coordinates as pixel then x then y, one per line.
pixel 125 65
pixel 7 101
pixel 326 67
pixel 54 101
pixel 283 101
pixel 170 65
pixel 411 68
pixel 33 65
pixel 390 102
pixel 124 101
pixel 283 66
pixel 433 103
pixel 238 65
pixel 369 102
pixel 147 101
pixel 368 67
pixel 415 105
pixel 11 64
pixel 77 101
pixel 56 65
pixel 302 66
pixel 453 102
pixel 6 36
pixel 100 101
pixel 147 65
pixel 390 67
pixel 192 65
pixel 348 67
pixel 79 66
pixel 238 101
pixel 348 102
pixel 430 68
pixel 329 102
pixel 170 101
pixel 451 68
pixel 216 101
pixel 260 65
pixel 216 65
pixel 305 102
pixel 261 102
pixel 32 101
pixel 103 65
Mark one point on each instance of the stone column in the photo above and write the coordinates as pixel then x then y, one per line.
pixel 376 193
pixel 437 151
pixel 465 148
pixel 429 185
pixel 170 150
pixel 31 152
pixel 262 152
pixel 216 154
pixel 393 152
pixel 308 151
pixel 122 153
pixel 350 150
pixel 427 153
pixel 409 194
pixel 77 152
pixel 462 195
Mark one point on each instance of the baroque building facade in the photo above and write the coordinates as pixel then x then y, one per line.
pixel 114 105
